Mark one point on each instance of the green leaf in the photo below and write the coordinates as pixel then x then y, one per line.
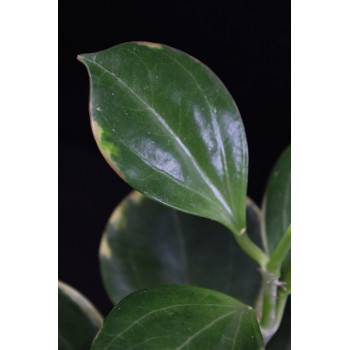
pixel 277 211
pixel 146 244
pixel 277 202
pixel 179 317
pixel 78 319
pixel 277 232
pixel 170 128
pixel 286 272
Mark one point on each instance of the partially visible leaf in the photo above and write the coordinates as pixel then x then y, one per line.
pixel 276 221
pixel 277 202
pixel 78 319
pixel 286 272
pixel 146 244
pixel 179 317
pixel 170 128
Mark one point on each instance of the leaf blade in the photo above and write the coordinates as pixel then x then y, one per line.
pixel 78 319
pixel 173 124
pixel 164 246
pixel 277 201
pixel 176 316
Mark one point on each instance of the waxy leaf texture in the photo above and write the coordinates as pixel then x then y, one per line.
pixel 176 317
pixel 169 127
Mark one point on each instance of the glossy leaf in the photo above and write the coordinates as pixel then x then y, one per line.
pixel 277 202
pixel 170 128
pixel 180 317
pixel 78 319
pixel 146 244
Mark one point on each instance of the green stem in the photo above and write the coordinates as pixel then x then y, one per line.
pixel 272 299
pixel 250 248
pixel 280 253
pixel 273 308
pixel 281 304
pixel 269 302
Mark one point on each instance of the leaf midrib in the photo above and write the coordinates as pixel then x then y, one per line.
pixel 216 128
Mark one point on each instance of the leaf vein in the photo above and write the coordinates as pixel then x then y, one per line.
pixel 204 329
pixel 119 335
pixel 216 128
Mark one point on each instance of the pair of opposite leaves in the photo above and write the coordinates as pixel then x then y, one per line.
pixel 169 127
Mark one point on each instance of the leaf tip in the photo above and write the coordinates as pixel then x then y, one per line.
pixel 80 58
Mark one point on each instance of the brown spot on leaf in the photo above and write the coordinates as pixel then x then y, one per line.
pixel 149 44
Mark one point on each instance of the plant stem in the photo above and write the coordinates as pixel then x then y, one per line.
pixel 269 302
pixel 272 299
pixel 273 306
pixel 250 248
pixel 281 303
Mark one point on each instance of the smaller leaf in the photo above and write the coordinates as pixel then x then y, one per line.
pixel 277 211
pixel 78 319
pixel 147 244
pixel 277 202
pixel 179 317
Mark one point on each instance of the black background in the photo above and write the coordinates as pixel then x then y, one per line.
pixel 247 44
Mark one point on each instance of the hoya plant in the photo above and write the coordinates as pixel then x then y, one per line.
pixel 187 259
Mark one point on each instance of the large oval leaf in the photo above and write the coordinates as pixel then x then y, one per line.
pixel 277 202
pixel 78 320
pixel 180 317
pixel 170 128
pixel 146 244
